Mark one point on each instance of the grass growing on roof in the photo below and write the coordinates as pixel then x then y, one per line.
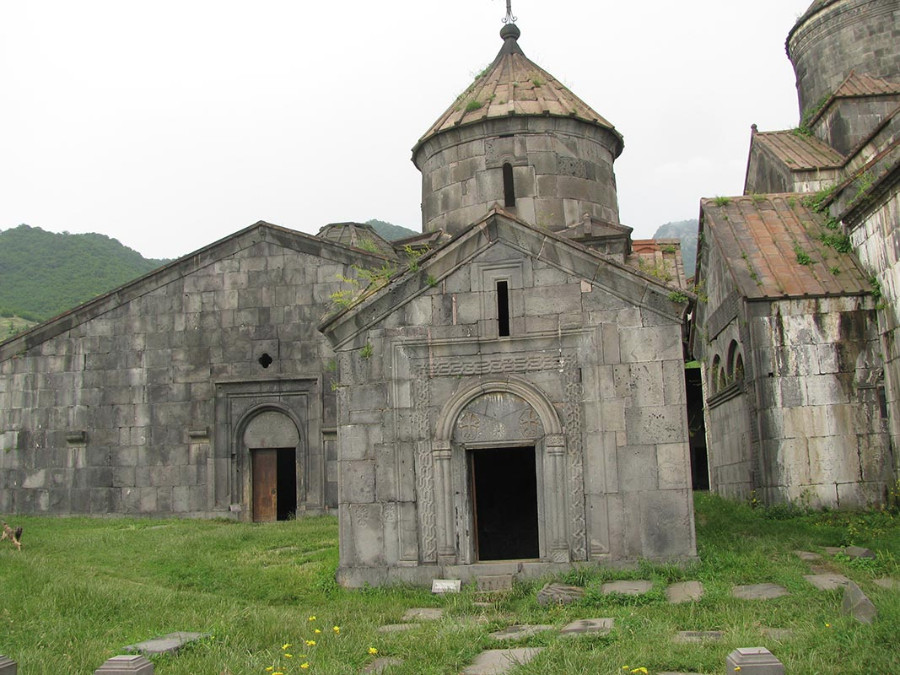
pixel 82 588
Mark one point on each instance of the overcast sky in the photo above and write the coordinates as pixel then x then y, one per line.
pixel 171 124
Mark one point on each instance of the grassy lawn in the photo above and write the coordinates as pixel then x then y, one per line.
pixel 81 589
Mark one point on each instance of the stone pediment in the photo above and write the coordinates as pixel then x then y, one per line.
pixel 498 227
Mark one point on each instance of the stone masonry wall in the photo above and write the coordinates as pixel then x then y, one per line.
pixel 117 414
pixel 601 378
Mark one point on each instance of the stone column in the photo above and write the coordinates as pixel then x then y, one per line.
pixel 441 453
pixel 555 508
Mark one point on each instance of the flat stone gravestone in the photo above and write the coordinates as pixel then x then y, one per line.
pixel 685 637
pixel 494 582
pixel 126 665
pixel 588 627
pixel 7 666
pixel 826 582
pixel 685 591
pixel 888 583
pixel 759 591
pixel 777 634
pixel 441 586
pixel 423 614
pixel 859 552
pixel 636 587
pixel 559 594
pixel 167 644
pixel 753 661
pixel 518 632
pixel 499 661
pixel 833 550
pixel 397 627
pixel 807 556
pixel 382 664
pixel 857 605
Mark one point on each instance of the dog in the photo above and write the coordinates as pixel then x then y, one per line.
pixel 14 537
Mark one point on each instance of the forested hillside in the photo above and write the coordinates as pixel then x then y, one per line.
pixel 390 231
pixel 43 273
pixel 686 231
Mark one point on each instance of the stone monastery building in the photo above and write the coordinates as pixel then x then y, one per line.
pixel 504 393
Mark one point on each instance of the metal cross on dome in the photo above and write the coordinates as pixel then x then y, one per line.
pixel 509 18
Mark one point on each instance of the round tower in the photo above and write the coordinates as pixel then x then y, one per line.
pixel 834 37
pixel 518 139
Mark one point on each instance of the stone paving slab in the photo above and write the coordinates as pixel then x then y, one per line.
pixel 397 627
pixel 166 644
pixel 851 551
pixel 759 591
pixel 559 594
pixel 499 661
pixel 857 604
pixel 807 556
pixel 423 614
pixel 827 582
pixel 685 637
pixel 685 591
pixel 588 627
pixel 519 632
pixel 636 587
pixel 888 583
pixel 382 664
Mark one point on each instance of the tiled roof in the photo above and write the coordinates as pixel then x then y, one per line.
pixel 775 246
pixel 858 84
pixel 799 151
pixel 513 85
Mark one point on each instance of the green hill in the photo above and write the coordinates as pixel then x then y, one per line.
pixel 389 231
pixel 686 231
pixel 43 273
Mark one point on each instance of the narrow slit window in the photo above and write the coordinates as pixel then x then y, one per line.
pixel 509 187
pixel 503 308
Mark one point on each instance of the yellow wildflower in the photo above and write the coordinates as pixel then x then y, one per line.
pixel 288 656
pixel 312 618
pixel 372 650
pixel 317 631
pixel 270 669
pixel 641 670
pixel 286 645
pixel 737 668
pixel 336 629
pixel 304 666
pixel 310 643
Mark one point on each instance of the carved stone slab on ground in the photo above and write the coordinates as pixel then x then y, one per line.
pixel 857 605
pixel 807 556
pixel 131 664
pixel 499 661
pixel 166 644
pixel 851 551
pixel 441 586
pixel 827 582
pixel 7 666
pixel 397 627
pixel 588 627
pixel 494 582
pixel 685 591
pixel 685 637
pixel 382 665
pixel 423 614
pixel 559 594
pixel 777 634
pixel 759 591
pixel 753 661
pixel 519 632
pixel 633 587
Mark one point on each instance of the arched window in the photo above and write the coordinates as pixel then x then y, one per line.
pixel 509 186
pixel 735 362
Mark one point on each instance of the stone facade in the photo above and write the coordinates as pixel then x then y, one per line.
pixel 804 285
pixel 149 400
pixel 586 390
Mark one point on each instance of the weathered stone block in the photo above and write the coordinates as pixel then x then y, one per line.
pixel 857 604
pixel 754 660
pixel 126 665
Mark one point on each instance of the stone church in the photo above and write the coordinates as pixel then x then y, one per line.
pixel 503 393
pixel 797 335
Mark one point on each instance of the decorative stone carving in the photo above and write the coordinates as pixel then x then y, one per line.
pixel 574 395
pixel 424 466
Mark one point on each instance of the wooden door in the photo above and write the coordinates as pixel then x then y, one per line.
pixel 265 485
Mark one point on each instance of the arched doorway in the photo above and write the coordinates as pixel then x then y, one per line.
pixel 272 439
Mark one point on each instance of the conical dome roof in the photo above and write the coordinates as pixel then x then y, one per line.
pixel 514 85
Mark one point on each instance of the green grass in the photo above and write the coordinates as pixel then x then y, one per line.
pixel 83 588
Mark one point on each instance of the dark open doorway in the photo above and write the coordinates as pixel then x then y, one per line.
pixel 274 484
pixel 697 429
pixel 504 503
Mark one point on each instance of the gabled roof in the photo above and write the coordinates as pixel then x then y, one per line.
pixel 776 246
pixel 856 85
pixel 514 85
pixel 498 226
pixel 798 151
pixel 182 267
